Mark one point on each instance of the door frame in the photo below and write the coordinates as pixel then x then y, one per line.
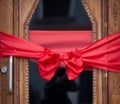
pixel 95 30
pixel 23 11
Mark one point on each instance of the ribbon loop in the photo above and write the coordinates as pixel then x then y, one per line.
pixel 74 64
pixel 48 64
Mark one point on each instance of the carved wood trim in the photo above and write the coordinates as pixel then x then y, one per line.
pixel 29 18
pixel 21 77
pixel 26 70
pixel 92 19
pixel 94 38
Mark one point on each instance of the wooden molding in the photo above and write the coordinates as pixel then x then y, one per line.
pixel 26 70
pixel 96 86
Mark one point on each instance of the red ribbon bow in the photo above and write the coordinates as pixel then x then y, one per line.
pixel 49 63
pixel 104 54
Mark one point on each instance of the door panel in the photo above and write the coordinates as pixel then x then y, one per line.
pixel 113 26
pixel 22 10
pixel 15 16
pixel 6 25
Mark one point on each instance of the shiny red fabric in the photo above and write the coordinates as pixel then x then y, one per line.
pixel 61 41
pixel 103 54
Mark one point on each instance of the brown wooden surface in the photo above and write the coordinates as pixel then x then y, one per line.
pixel 106 86
pixel 22 10
pixel 6 25
pixel 16 60
pixel 94 7
pixel 104 32
pixel 113 26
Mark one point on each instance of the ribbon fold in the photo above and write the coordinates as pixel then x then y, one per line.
pixel 103 54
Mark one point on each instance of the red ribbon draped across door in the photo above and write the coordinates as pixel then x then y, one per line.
pixel 104 54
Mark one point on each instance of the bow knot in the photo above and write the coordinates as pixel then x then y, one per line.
pixel 50 62
pixel 74 64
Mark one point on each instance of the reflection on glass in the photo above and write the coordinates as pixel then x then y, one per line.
pixel 56 90
pixel 59 15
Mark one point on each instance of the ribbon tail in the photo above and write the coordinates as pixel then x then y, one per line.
pixel 104 53
pixel 12 45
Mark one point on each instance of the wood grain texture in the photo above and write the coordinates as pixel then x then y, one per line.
pixel 104 32
pixel 16 60
pixel 16 15
pixel 6 25
pixel 113 27
pixel 26 7
pixel 95 11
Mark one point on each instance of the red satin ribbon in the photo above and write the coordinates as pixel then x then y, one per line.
pixel 103 54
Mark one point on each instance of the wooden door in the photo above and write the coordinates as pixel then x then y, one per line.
pixel 15 16
pixel 6 25
pixel 113 27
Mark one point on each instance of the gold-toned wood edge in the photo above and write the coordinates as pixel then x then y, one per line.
pixel 94 38
pixel 26 70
